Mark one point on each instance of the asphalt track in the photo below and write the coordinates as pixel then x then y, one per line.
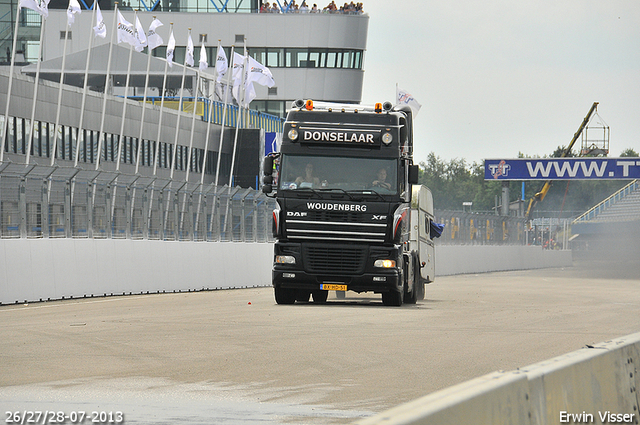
pixel 234 356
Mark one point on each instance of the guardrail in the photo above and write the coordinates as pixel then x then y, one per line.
pixel 480 228
pixel 597 384
pixel 39 201
pixel 593 212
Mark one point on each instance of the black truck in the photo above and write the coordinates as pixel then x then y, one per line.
pixel 350 215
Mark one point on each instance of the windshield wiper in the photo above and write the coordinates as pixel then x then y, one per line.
pixel 369 192
pixel 338 189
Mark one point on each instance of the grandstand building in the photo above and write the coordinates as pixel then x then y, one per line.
pixel 311 55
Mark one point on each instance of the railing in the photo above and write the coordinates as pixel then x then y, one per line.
pixel 480 228
pixel 593 212
pixel 215 109
pixel 64 202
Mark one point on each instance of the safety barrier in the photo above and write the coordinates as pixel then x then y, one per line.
pixel 58 202
pixel 480 228
pixel 597 384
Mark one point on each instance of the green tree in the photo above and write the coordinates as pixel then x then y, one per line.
pixel 628 153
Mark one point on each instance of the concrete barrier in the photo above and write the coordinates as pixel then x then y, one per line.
pixel 461 259
pixel 49 269
pixel 44 269
pixel 592 385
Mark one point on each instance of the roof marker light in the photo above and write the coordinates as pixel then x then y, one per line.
pixel 378 108
pixel 309 105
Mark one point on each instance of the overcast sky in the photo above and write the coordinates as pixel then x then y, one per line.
pixel 498 77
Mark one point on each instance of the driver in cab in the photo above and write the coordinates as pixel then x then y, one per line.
pixel 308 179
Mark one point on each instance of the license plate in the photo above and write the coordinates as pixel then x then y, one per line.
pixel 332 287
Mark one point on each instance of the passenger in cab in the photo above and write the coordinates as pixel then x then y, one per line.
pixel 380 181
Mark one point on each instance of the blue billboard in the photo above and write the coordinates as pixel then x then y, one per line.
pixel 562 169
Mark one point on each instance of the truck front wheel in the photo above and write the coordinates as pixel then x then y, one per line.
pixel 285 295
pixel 392 298
pixel 320 296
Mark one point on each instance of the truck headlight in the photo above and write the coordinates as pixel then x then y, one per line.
pixel 385 264
pixel 285 259
pixel 387 138
pixel 293 134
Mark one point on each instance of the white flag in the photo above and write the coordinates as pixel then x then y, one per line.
pixel 239 75
pixel 403 97
pixel 100 28
pixel 171 47
pixel 35 6
pixel 222 65
pixel 74 7
pixel 259 73
pixel 189 58
pixel 153 38
pixel 44 8
pixel 126 32
pixel 236 76
pixel 141 38
pixel 249 94
pixel 204 64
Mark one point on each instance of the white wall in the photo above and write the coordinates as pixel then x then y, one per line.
pixel 34 269
pixel 460 259
pixel 43 269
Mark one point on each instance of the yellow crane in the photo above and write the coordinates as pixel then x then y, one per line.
pixel 539 197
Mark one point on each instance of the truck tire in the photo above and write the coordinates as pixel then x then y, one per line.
pixel 410 297
pixel 284 295
pixel 302 295
pixel 320 296
pixel 392 298
pixel 419 281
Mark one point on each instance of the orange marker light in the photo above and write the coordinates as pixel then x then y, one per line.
pixel 378 107
pixel 309 105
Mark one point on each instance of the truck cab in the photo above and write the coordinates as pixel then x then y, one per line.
pixel 344 183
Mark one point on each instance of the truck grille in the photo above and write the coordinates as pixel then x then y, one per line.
pixel 334 260
pixel 337 226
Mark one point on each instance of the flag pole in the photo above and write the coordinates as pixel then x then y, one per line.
pixel 57 124
pixel 224 112
pixel 224 118
pixel 156 159
pixel 102 136
pixel 193 121
pixel 243 92
pixel 124 102
pixel 144 105
pixel 35 93
pixel 175 142
pixel 84 90
pixel 5 124
pixel 209 118
pixel 157 150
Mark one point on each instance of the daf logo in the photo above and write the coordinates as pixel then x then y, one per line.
pixel 296 214
pixel 379 217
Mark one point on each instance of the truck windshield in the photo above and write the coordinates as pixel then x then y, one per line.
pixel 348 174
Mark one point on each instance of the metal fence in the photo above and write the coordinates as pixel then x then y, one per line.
pixel 56 202
pixel 480 228
pixel 38 201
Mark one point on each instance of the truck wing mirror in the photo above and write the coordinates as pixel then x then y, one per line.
pixel 268 165
pixel 414 174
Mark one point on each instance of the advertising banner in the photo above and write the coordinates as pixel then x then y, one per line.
pixel 562 169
